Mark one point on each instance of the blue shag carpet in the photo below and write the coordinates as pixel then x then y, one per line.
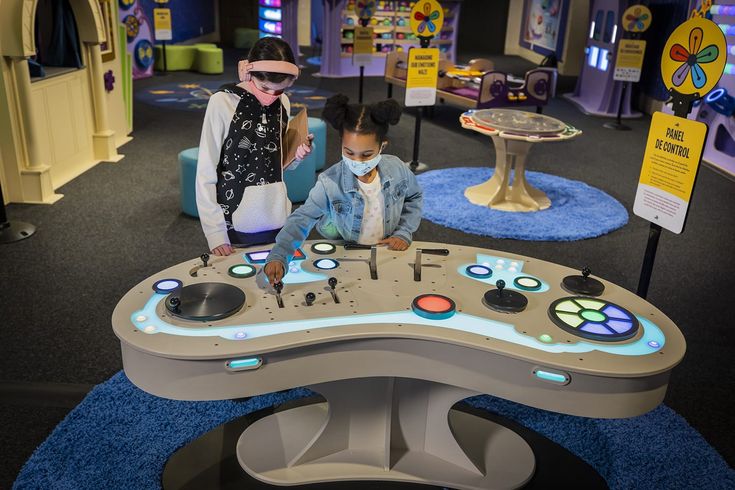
pixel 193 96
pixel 121 437
pixel 577 210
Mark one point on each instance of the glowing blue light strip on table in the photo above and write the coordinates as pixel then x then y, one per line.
pixel 503 268
pixel 147 321
pixel 728 29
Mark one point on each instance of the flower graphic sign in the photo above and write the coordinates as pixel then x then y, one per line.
pixel 694 57
pixel 427 18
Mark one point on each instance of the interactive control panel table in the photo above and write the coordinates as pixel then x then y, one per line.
pixel 513 132
pixel 393 340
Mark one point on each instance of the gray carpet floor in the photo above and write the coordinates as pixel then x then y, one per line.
pixel 119 223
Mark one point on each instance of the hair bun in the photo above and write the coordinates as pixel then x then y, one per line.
pixel 335 110
pixel 386 112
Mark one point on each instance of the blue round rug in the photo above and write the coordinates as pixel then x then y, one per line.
pixel 314 60
pixel 577 210
pixel 121 437
pixel 193 96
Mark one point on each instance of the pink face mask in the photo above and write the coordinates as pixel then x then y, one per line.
pixel 263 97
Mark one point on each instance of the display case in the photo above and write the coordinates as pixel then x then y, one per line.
pixel 391 33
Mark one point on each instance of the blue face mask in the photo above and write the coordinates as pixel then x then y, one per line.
pixel 361 168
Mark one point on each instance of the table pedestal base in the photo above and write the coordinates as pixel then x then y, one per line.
pixel 392 429
pixel 497 193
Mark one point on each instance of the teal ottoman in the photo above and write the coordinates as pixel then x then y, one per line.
pixel 187 179
pixel 300 180
pixel 319 129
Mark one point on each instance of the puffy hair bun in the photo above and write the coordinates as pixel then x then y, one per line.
pixel 335 111
pixel 386 112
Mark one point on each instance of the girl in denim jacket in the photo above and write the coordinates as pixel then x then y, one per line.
pixel 367 198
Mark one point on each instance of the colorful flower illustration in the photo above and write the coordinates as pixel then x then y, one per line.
pixel 365 8
pixel 692 59
pixel 637 20
pixel 426 18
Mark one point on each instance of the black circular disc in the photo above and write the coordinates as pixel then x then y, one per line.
pixel 583 285
pixel 205 301
pixel 508 302
pixel 323 248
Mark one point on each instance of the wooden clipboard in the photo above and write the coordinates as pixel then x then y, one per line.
pixel 297 133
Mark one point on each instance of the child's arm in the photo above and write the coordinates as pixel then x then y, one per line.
pixel 214 131
pixel 412 205
pixel 296 229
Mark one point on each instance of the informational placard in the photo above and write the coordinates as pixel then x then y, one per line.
pixel 362 47
pixel 423 73
pixel 629 60
pixel 162 24
pixel 670 164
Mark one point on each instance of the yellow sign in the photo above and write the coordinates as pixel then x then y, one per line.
pixel 427 18
pixel 629 60
pixel 162 24
pixel 636 18
pixel 694 57
pixel 363 40
pixel 423 72
pixel 362 47
pixel 670 165
pixel 365 8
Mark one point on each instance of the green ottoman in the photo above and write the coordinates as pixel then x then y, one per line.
pixel 187 181
pixel 244 38
pixel 178 57
pixel 209 60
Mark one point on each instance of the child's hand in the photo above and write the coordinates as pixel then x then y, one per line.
pixel 304 149
pixel 394 243
pixel 223 250
pixel 274 271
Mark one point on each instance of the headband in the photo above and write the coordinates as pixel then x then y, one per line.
pixel 245 67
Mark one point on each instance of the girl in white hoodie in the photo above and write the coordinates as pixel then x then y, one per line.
pixel 241 196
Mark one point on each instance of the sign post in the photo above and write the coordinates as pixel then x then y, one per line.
pixel 162 27
pixel 674 147
pixel 362 44
pixel 629 57
pixel 427 18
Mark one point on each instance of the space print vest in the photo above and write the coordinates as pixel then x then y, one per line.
pixel 250 187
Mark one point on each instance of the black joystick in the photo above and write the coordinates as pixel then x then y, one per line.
pixel 174 302
pixel 504 301
pixel 278 287
pixel 310 297
pixel 332 281
pixel 205 259
pixel 583 284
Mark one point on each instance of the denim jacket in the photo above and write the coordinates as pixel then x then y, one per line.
pixel 336 200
